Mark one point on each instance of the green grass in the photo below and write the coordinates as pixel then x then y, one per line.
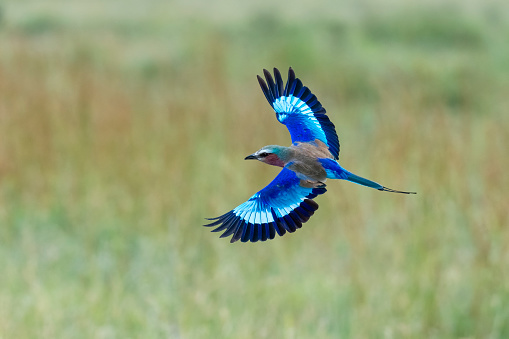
pixel 123 126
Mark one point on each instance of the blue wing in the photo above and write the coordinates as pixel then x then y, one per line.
pixel 299 109
pixel 283 205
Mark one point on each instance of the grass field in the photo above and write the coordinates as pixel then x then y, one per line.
pixel 124 124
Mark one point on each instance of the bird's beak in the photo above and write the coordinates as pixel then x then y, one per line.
pixel 250 157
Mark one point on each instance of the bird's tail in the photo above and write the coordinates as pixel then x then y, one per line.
pixel 365 182
pixel 335 171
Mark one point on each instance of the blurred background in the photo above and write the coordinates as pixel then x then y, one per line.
pixel 123 124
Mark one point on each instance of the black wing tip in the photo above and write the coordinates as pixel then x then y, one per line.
pixel 268 75
pixel 265 89
pixel 215 221
pixel 262 83
pixel 224 235
pixel 247 232
pixel 275 69
pixel 312 203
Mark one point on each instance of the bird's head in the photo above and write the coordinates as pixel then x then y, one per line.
pixel 273 155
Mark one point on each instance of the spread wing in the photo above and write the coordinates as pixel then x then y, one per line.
pixel 299 109
pixel 282 206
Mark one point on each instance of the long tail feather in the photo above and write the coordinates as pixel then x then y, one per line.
pixel 386 189
pixel 365 182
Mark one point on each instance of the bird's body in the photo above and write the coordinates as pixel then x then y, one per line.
pixel 301 158
pixel 286 203
pixel 305 161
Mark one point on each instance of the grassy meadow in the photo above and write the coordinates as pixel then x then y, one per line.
pixel 124 124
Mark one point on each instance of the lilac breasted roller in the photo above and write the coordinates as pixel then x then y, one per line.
pixel 287 202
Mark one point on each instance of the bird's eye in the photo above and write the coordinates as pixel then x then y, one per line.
pixel 263 154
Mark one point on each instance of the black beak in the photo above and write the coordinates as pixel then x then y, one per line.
pixel 250 157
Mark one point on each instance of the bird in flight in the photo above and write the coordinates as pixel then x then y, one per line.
pixel 287 202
